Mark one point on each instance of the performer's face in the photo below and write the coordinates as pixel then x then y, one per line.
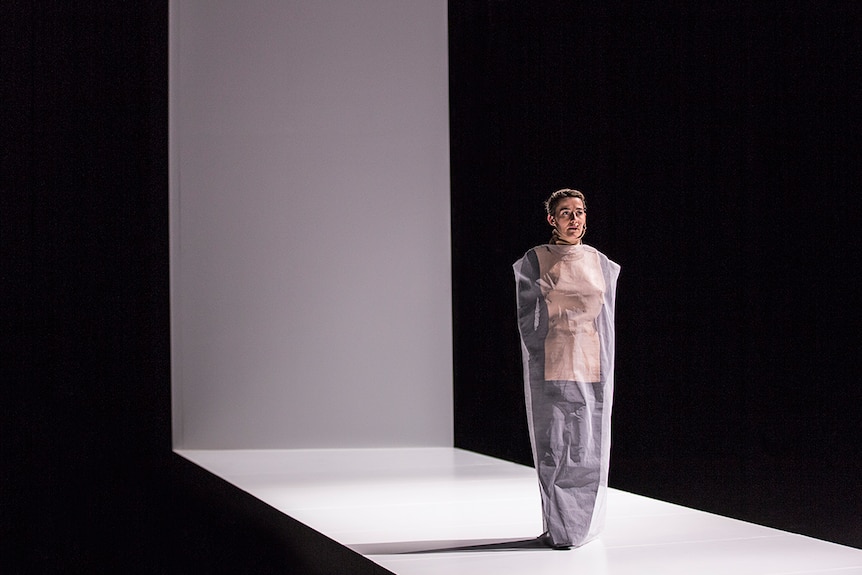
pixel 569 219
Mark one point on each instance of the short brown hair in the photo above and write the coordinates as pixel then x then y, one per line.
pixel 557 197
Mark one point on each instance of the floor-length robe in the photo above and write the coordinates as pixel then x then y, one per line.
pixel 565 299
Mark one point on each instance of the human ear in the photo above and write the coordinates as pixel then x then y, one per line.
pixel 551 220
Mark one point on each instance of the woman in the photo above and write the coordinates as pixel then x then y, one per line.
pixel 566 292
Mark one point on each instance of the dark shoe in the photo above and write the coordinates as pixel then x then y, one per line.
pixel 546 539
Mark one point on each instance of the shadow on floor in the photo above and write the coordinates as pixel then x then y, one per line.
pixel 408 547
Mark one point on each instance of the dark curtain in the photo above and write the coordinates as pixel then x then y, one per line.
pixel 718 149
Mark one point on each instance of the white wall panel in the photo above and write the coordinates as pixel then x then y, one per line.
pixel 311 298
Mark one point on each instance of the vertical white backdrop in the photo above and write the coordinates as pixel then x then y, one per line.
pixel 310 263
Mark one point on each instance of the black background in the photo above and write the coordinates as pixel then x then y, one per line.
pixel 718 150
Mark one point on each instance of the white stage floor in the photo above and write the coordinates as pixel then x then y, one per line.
pixel 396 505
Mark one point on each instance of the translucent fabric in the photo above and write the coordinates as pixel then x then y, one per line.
pixel 565 298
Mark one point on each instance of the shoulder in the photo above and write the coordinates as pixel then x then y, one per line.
pixel 542 248
pixel 532 253
pixel 605 261
pixel 528 265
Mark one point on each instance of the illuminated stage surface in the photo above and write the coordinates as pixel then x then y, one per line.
pixel 406 509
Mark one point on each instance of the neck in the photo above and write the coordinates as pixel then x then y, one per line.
pixel 557 239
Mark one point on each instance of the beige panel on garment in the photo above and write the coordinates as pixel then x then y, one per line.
pixel 573 286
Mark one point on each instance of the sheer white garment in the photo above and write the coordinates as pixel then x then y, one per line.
pixel 565 299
